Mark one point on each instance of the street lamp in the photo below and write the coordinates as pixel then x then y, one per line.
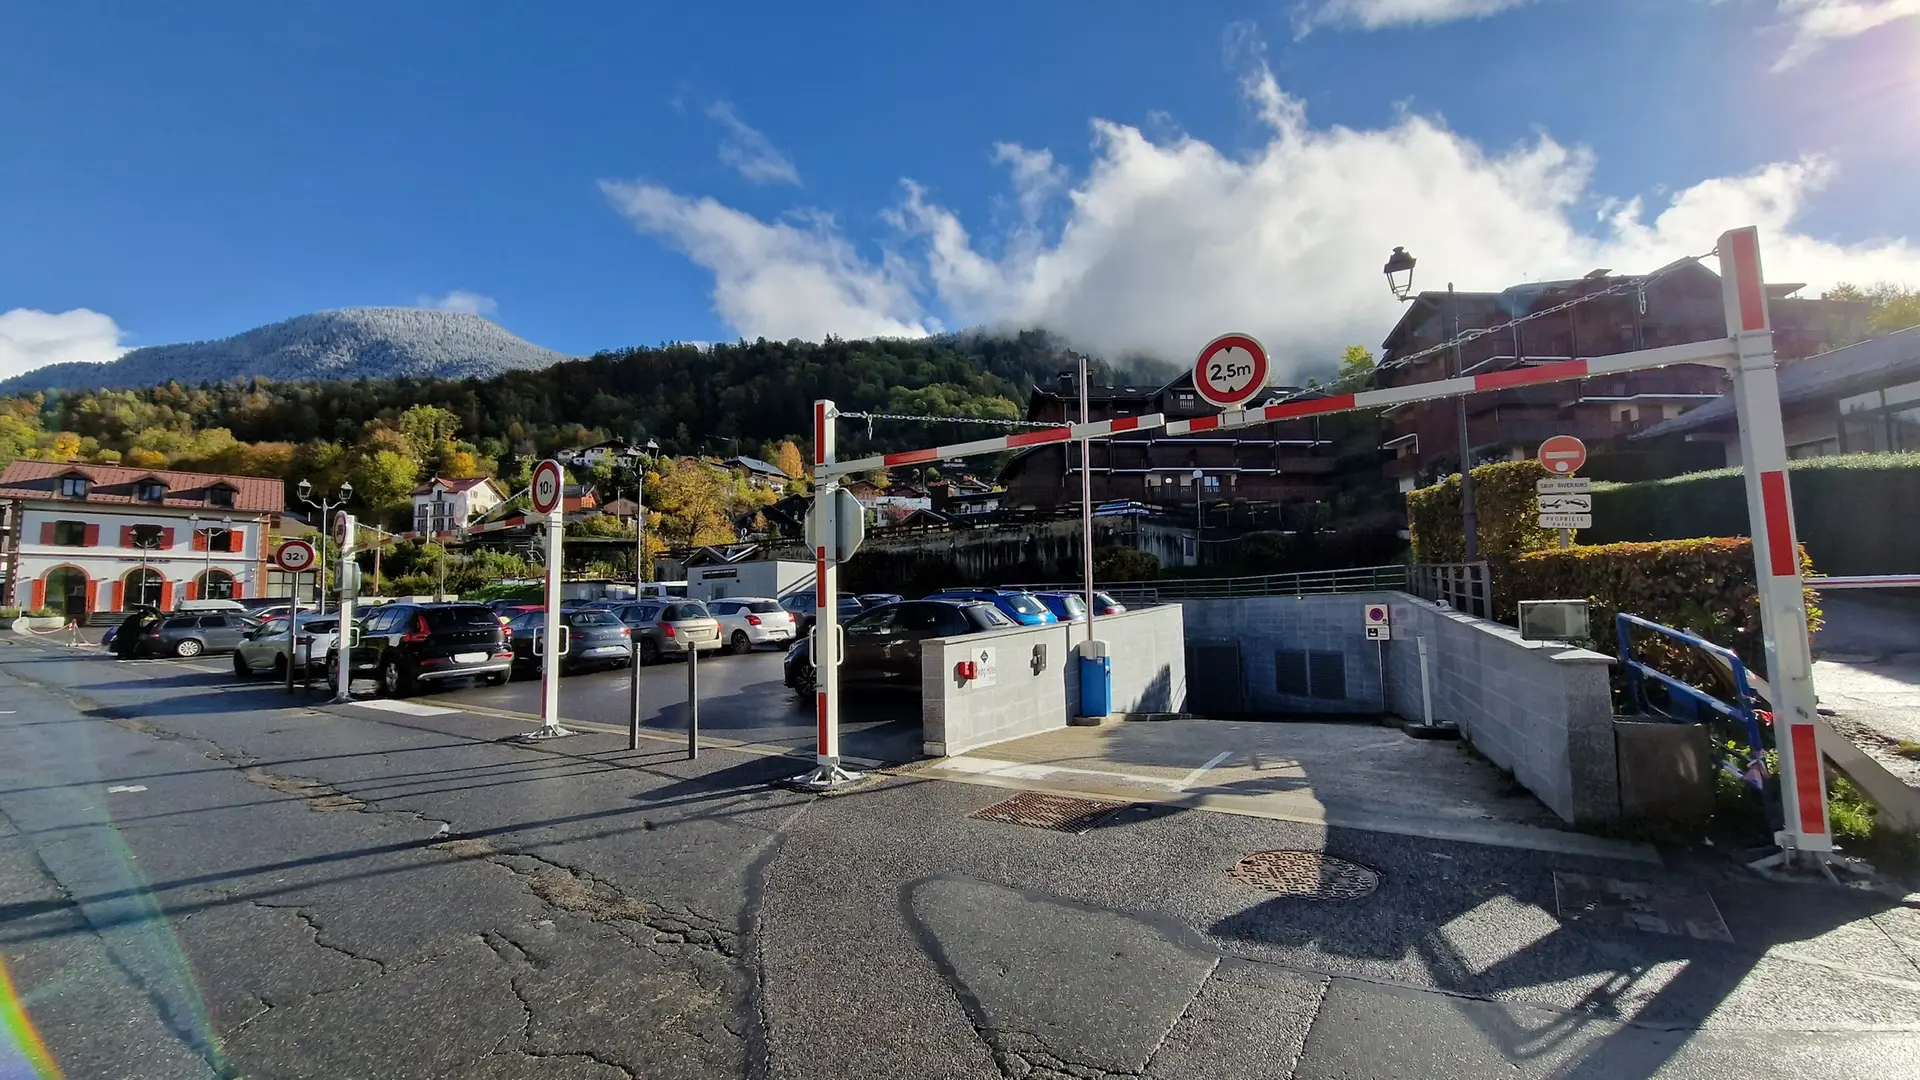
pixel 1199 521
pixel 206 545
pixel 633 457
pixel 326 507
pixel 1399 271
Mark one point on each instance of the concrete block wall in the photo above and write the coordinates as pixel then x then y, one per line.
pixel 1149 669
pixel 1263 625
pixel 1543 710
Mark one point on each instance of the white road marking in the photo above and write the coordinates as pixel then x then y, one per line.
pixel 1021 770
pixel 118 788
pixel 411 708
pixel 1194 776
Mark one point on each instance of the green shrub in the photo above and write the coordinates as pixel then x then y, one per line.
pixel 42 613
pixel 9 613
pixel 1705 587
pixel 1125 564
pixel 1840 509
pixel 1503 500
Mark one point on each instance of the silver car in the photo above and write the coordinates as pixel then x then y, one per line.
pixel 670 627
pixel 265 646
pixel 191 635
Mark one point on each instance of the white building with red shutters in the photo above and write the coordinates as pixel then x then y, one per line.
pixel 103 538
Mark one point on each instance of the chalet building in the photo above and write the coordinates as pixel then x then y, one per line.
pixel 443 507
pixel 760 474
pixel 101 538
pixel 1282 462
pixel 1604 411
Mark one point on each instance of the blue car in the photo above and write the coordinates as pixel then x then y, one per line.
pixel 1022 607
pixel 1067 607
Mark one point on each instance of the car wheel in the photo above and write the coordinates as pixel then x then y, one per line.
pixel 805 684
pixel 240 666
pixel 649 652
pixel 499 678
pixel 394 679
pixel 280 669
pixel 187 648
pixel 333 672
pixel 740 645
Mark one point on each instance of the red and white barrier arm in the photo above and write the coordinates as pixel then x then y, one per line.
pixel 1872 581
pixel 1717 351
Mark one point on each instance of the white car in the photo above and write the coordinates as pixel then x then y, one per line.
pixel 747 621
pixel 265 646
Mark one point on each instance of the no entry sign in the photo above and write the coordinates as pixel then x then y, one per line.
pixel 1563 455
pixel 294 556
pixel 547 485
pixel 1230 371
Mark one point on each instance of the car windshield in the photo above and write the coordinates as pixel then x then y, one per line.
pixel 1073 605
pixel 592 618
pixel 445 619
pixel 1024 603
pixel 992 616
pixel 763 607
pixel 689 609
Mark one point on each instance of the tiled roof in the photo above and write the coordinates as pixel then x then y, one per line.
pixel 451 485
pixel 115 484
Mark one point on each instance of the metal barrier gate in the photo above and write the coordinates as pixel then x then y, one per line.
pixel 1746 352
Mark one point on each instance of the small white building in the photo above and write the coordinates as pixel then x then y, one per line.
pixel 443 507
pixel 101 538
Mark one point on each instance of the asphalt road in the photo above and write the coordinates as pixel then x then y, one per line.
pixel 742 700
pixel 200 879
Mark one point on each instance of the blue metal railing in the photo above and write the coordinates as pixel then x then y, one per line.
pixel 1687 702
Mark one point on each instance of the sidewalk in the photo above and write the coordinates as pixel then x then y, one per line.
pixel 1867 670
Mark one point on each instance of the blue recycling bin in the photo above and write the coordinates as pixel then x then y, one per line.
pixel 1096 680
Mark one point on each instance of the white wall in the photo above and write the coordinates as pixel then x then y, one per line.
pixel 106 561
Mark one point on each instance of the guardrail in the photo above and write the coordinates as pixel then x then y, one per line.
pixel 1464 587
pixel 1688 704
pixel 1302 583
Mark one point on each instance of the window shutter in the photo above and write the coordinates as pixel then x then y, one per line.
pixel 166 542
pixel 93 536
pixel 239 592
pixel 193 590
pixel 126 536
pixel 166 594
pixel 199 539
pixel 235 540
pixel 39 599
pixel 46 536
pixel 119 596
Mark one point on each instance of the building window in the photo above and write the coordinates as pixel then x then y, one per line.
pixel 143 588
pixel 152 491
pixel 220 540
pixel 70 533
pixel 220 495
pixel 75 487
pixel 216 585
pixel 148 537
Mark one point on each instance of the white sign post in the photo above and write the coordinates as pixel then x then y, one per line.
pixel 1379 623
pixel 294 557
pixel 548 492
pixel 344 529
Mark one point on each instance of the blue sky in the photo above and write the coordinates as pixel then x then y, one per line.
pixel 1139 176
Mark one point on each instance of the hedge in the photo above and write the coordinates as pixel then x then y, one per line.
pixel 1705 587
pixel 1855 513
pixel 1503 500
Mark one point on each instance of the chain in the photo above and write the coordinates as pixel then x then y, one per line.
pixel 1633 285
pixel 870 417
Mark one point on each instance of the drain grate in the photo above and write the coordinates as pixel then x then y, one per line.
pixel 1309 875
pixel 1639 905
pixel 1039 810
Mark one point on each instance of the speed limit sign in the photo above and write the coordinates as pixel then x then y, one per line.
pixel 547 485
pixel 294 556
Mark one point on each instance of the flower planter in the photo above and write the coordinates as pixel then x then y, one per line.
pixel 39 625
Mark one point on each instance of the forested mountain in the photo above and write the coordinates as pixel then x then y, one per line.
pixel 352 343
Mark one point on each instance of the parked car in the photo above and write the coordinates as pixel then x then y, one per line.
pixel 595 639
pixel 210 605
pixel 1022 607
pixel 264 648
pixel 191 634
pixel 1105 604
pixel 801 606
pixel 879 599
pixel 404 644
pixel 883 645
pixel 670 627
pixel 1066 607
pixel 746 621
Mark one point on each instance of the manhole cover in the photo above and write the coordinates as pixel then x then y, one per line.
pixel 1039 810
pixel 1309 875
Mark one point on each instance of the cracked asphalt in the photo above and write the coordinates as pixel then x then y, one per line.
pixel 200 878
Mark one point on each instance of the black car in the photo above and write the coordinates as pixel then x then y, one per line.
pixel 595 639
pixel 802 607
pixel 406 644
pixel 883 645
pixel 871 600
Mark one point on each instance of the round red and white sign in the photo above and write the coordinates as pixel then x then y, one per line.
pixel 548 483
pixel 294 556
pixel 342 524
pixel 1563 455
pixel 1230 371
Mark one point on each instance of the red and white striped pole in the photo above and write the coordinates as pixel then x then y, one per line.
pixel 824 539
pixel 1776 553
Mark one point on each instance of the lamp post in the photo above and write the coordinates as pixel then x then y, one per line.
pixel 633 457
pixel 1199 520
pixel 1399 271
pixel 326 507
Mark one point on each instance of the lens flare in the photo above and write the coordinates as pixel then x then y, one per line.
pixel 20 1045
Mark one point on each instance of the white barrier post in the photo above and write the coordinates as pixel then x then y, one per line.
pixel 344 530
pixel 548 492
pixel 1776 554
pixel 827 773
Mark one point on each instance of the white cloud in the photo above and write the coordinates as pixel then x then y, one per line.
pixel 1167 243
pixel 1816 23
pixel 749 152
pixel 1379 14
pixel 30 339
pixel 461 301
pixel 781 279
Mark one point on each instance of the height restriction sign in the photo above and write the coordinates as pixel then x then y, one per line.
pixel 1230 371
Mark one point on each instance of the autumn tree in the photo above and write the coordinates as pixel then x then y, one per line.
pixel 1890 307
